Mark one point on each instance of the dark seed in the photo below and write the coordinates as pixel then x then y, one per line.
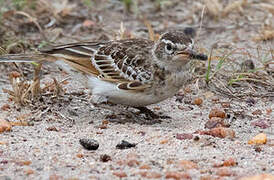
pixel 258 149
pixel 89 144
pixel 247 65
pixel 125 145
pixel 105 158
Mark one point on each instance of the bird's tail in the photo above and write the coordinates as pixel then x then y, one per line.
pixel 39 58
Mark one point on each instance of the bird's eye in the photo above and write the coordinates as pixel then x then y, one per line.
pixel 169 49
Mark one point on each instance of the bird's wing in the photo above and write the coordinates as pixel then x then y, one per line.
pixel 126 63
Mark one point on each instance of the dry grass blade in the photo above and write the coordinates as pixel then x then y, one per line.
pixel 122 31
pixel 265 35
pixel 33 20
pixel 3 51
pixel 36 90
pixel 269 7
pixel 214 7
pixel 22 91
pixel 150 30
pixel 201 23
pixel 236 5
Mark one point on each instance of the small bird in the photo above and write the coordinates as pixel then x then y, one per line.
pixel 130 72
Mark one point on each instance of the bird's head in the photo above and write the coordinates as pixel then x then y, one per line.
pixel 174 50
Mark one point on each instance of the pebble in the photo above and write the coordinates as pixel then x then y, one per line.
pixel 185 164
pixel 177 175
pixel 258 139
pixel 125 145
pixel 257 112
pixel 52 128
pixel 198 101
pixel 105 158
pixel 120 174
pixel 216 113
pixel 5 126
pixel 247 65
pixel 184 136
pixel 150 175
pixel 215 122
pixel 261 123
pixel 89 144
pixel 220 132
pixel 259 177
pixel 225 172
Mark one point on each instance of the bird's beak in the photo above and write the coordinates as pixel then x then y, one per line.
pixel 192 54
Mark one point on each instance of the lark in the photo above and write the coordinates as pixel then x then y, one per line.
pixel 130 72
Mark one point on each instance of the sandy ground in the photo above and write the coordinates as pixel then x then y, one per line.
pixel 50 148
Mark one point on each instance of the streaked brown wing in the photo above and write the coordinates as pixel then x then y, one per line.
pixel 125 62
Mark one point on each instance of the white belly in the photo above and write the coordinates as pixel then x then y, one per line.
pixel 130 98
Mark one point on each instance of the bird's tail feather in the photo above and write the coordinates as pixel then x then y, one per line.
pixel 81 64
pixel 39 58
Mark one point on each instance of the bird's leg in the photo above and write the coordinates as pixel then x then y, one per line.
pixel 151 114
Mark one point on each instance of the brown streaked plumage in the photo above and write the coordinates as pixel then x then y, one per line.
pixel 133 72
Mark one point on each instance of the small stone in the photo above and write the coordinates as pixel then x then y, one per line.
pixel 216 113
pixel 206 178
pixel 258 149
pixel 225 172
pixel 196 138
pixel 5 107
pixel 28 171
pixel 261 123
pixel 229 162
pixel 268 111
pixel 220 132
pixel 185 164
pixel 215 99
pixel 258 139
pixel 133 163
pixel 225 104
pixel 105 122
pixel 150 175
pixel 259 177
pixel 105 158
pixel 125 145
pixel 184 136
pixel 247 65
pixel 102 126
pixel 89 144
pixel 257 112
pixel 52 128
pixel 88 23
pixel 198 101
pixel 5 126
pixel 215 122
pixel 23 163
pixel 250 101
pixel 145 166
pixel 164 141
pixel 176 175
pixel 80 155
pixel 55 177
pixel 120 174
